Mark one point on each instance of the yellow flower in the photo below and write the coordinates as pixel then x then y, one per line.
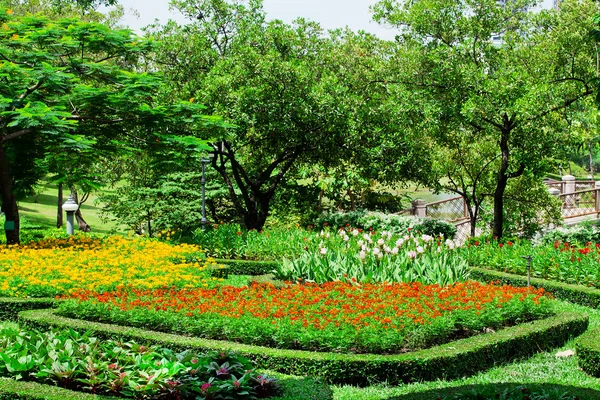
pixel 14 36
pixel 9 12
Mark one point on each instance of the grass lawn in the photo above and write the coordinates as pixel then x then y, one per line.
pixel 544 368
pixel 41 210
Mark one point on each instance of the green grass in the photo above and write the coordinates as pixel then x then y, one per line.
pixel 543 368
pixel 41 209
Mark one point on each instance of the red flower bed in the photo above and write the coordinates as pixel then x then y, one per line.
pixel 371 317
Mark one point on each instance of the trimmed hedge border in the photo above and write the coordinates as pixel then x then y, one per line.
pixel 583 295
pixel 452 360
pixel 11 389
pixel 294 388
pixel 10 307
pixel 247 267
pixel 588 352
pixel 581 393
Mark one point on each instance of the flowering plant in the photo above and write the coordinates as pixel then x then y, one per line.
pixel 336 316
pixel 369 256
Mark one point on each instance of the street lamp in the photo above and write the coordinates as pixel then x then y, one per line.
pixel 204 160
pixel 70 207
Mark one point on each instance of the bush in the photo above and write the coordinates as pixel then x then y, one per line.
pixel 436 227
pixel 457 359
pixel 81 362
pixel 588 352
pixel 583 295
pixel 578 235
pixel 387 222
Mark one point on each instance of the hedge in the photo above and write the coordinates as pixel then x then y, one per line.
pixel 586 296
pixel 294 388
pixel 449 361
pixel 11 306
pixel 247 267
pixel 470 391
pixel 588 352
pixel 11 389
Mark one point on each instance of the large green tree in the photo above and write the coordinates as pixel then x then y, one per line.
pixel 297 96
pixel 72 85
pixel 489 105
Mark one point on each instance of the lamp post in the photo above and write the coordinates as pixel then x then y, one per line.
pixel 205 160
pixel 70 207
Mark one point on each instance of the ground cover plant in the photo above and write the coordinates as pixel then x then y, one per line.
pixel 52 267
pixel 560 261
pixel 81 362
pixel 353 254
pixel 337 317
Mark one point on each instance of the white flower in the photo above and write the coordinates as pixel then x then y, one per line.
pixel 367 237
pixel 450 244
pixel 411 254
pixel 420 249
pixel 380 255
pixel 426 238
pixel 406 237
pixel 384 233
pixel 360 242
pixel 364 247
pixel 376 251
pixel 346 238
pixel 362 255
pixel 380 242
pixel 327 235
pixel 395 250
pixel 387 249
pixel 354 232
pixel 389 235
pixel 439 249
pixel 323 250
pixel 399 242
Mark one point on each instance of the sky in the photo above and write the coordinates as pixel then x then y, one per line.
pixel 329 13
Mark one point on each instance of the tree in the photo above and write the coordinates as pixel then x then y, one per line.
pixel 71 85
pixel 489 106
pixel 297 96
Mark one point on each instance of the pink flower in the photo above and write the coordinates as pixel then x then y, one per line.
pixel 205 387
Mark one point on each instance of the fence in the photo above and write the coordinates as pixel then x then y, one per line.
pixel 581 203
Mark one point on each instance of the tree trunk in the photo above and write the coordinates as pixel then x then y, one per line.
pixel 59 215
pixel 9 203
pixel 497 228
pixel 83 226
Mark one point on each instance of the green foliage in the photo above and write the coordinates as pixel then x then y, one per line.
pixel 505 391
pixel 457 359
pixel 588 352
pixel 386 222
pixel 560 262
pixel 577 234
pixel 10 307
pixel 586 296
pixel 233 242
pixel 82 362
pixel 247 267
pixel 529 207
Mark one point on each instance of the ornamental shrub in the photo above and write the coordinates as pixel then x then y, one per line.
pixel 81 362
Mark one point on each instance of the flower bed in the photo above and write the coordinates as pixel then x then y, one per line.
pixel 80 362
pixel 57 266
pixel 369 256
pixel 561 262
pixel 334 317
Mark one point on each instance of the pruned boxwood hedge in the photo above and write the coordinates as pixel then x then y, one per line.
pixel 588 352
pixel 456 359
pixel 10 307
pixel 488 391
pixel 586 296
pixel 247 267
pixel 294 388
pixel 18 390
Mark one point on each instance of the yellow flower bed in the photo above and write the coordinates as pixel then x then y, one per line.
pixel 59 266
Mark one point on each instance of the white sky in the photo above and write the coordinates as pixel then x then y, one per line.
pixel 329 13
